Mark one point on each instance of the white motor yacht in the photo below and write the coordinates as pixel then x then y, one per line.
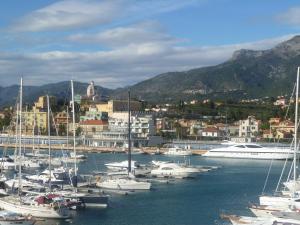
pixel 250 151
pixel 174 170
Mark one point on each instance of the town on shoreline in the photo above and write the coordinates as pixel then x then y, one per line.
pixel 102 123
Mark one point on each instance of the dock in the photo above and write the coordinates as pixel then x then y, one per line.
pixel 91 149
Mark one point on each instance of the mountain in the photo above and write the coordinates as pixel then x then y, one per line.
pixel 248 74
pixel 62 91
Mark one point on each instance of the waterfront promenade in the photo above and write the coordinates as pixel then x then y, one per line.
pixel 83 148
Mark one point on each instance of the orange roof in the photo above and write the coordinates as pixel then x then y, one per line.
pixel 210 129
pixel 94 122
pixel 267 132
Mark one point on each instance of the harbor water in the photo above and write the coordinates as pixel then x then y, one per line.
pixel 198 201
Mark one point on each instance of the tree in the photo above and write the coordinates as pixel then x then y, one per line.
pixel 78 131
pixel 62 130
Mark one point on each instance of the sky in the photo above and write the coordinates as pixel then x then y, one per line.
pixel 117 43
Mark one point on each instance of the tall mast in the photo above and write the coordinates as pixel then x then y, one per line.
pixel 74 134
pixel 34 124
pixel 17 130
pixel 49 139
pixel 129 135
pixel 296 131
pixel 67 127
pixel 20 135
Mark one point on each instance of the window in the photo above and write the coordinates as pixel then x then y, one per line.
pixel 240 146
pixel 253 146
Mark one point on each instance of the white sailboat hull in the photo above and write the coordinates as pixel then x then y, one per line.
pixel 278 202
pixel 292 186
pixel 39 211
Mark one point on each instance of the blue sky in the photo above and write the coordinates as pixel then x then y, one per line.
pixel 121 42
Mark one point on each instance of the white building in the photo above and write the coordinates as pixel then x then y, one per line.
pixel 141 125
pixel 210 132
pixel 248 127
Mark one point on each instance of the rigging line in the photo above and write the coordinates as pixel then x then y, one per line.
pixel 267 178
pixel 270 167
pixel 289 174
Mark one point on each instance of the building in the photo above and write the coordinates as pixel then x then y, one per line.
pixel 2 115
pixel 249 127
pixel 211 132
pixel 286 125
pixel 41 104
pixel 94 114
pixel 93 127
pixel 281 102
pixel 142 125
pixel 113 106
pixel 62 118
pixel 37 120
pixel 268 134
pixel 274 120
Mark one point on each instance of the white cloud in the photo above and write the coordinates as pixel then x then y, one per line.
pixel 117 67
pixel 74 14
pixel 144 32
pixel 70 14
pixel 291 16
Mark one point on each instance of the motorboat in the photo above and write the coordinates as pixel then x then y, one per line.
pixel 174 170
pixel 77 156
pixel 236 220
pixel 14 183
pixel 250 151
pixel 7 163
pixel 177 151
pixel 9 218
pixel 117 166
pixel 123 183
pixel 58 176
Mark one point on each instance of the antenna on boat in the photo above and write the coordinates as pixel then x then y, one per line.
pixel 129 135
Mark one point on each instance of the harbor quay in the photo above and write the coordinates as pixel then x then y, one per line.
pixel 83 144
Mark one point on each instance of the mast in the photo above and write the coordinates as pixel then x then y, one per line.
pixel 67 128
pixel 129 135
pixel 33 137
pixel 49 139
pixel 16 129
pixel 74 136
pixel 20 135
pixel 296 131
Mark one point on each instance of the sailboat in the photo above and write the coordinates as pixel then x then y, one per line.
pixel 88 199
pixel 33 206
pixel 292 199
pixel 128 182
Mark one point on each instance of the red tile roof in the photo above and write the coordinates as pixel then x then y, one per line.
pixel 93 122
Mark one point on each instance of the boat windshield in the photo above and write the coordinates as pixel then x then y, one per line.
pixel 240 146
pixel 253 146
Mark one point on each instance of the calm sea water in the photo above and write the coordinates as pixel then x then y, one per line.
pixel 187 202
